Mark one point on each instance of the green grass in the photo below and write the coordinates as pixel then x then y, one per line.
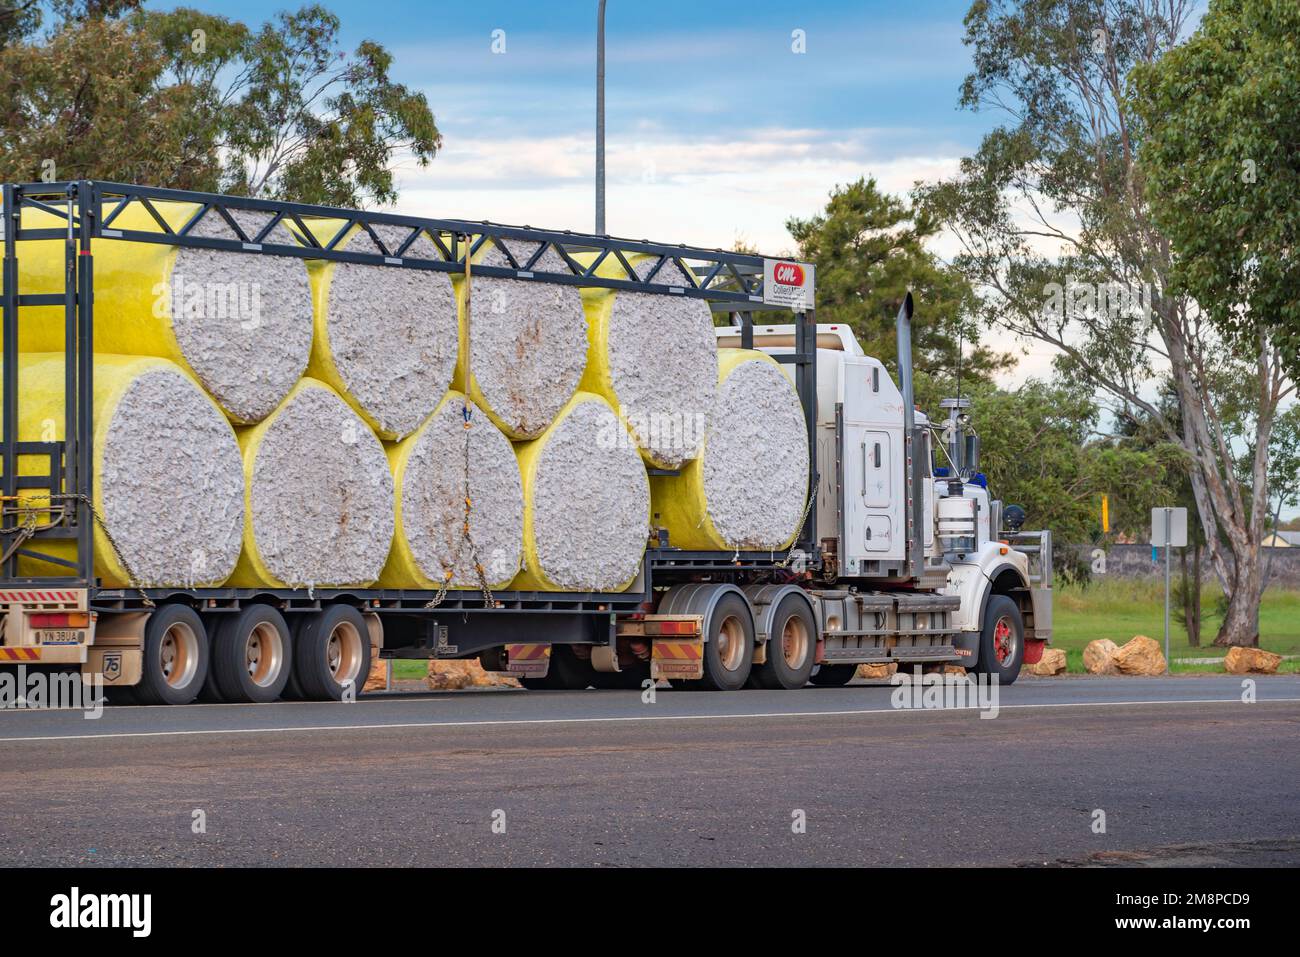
pixel 1118 609
pixel 404 669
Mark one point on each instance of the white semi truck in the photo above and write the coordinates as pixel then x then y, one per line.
pixel 903 555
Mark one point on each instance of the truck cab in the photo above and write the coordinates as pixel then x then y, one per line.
pixel 863 501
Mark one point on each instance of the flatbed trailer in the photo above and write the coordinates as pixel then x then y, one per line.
pixel 722 619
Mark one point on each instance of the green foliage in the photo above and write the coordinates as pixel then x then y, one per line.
pixel 1055 219
pixel 869 249
pixel 1039 449
pixel 1222 161
pixel 192 100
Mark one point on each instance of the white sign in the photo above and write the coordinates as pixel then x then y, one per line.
pixel 1177 530
pixel 789 283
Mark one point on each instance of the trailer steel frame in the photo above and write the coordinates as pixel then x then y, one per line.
pixel 729 281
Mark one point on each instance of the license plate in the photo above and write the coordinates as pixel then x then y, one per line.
pixel 68 637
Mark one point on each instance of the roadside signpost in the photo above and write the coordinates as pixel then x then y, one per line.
pixel 1168 529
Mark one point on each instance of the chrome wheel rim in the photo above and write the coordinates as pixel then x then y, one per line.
pixel 731 643
pixel 343 652
pixel 794 642
pixel 264 654
pixel 178 655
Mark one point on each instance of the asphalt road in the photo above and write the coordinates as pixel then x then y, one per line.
pixel 1183 769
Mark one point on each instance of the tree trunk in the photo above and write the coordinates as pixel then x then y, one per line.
pixel 1196 604
pixel 1241 623
pixel 1191 600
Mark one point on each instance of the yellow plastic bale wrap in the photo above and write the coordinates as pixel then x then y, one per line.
pixel 318 499
pixel 168 480
pixel 654 357
pixel 239 322
pixel 529 340
pixel 749 485
pixel 429 476
pixel 586 502
pixel 386 337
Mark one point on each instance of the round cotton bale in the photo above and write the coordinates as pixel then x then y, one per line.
pixel 586 502
pixel 386 336
pixel 655 358
pixel 748 489
pixel 525 343
pixel 429 476
pixel 318 498
pixel 241 322
pixel 168 480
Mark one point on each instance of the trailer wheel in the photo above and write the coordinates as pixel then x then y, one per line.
pixel 791 647
pixel 175 661
pixel 834 676
pixel 333 649
pixel 729 650
pixel 1002 640
pixel 251 655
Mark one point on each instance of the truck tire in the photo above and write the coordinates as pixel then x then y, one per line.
pixel 834 676
pixel 175 657
pixel 333 649
pixel 209 693
pixel 252 655
pixel 566 672
pixel 791 647
pixel 729 648
pixel 1002 640
pixel 292 689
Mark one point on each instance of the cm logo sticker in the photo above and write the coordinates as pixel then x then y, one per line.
pixel 788 284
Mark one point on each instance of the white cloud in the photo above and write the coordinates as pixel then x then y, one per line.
pixel 704 192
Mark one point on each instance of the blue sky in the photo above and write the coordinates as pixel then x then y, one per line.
pixel 717 130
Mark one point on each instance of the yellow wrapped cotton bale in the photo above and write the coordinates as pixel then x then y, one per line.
pixel 386 337
pixel 239 322
pixel 429 475
pixel 586 502
pixel 168 480
pixel 749 486
pixel 654 357
pixel 529 341
pixel 318 498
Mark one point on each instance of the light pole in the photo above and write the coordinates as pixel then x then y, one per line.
pixel 600 119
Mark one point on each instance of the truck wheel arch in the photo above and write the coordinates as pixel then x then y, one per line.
pixel 699 598
pixel 765 599
pixel 1006 579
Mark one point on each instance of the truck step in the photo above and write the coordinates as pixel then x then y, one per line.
pixel 926 653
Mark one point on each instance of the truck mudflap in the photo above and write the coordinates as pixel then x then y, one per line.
pixel 681 658
pixel 528 660
pixel 676 643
